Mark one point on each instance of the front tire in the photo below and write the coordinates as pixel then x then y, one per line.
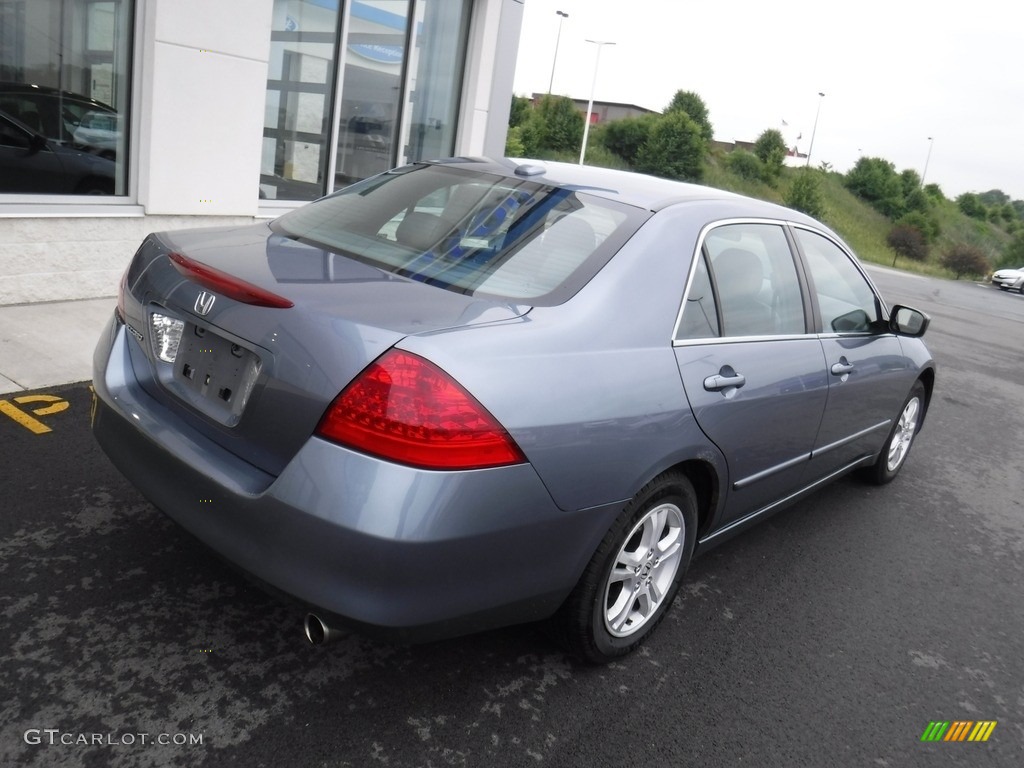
pixel 900 439
pixel 634 575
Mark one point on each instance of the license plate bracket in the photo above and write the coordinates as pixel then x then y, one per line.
pixel 214 374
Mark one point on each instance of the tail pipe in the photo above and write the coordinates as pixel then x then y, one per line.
pixel 317 630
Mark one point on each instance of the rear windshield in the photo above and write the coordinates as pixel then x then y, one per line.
pixel 469 232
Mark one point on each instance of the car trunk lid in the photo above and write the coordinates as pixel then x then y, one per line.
pixel 256 376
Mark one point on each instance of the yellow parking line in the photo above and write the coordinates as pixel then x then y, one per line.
pixel 56 405
pixel 23 418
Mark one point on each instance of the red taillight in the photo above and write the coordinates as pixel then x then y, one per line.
pixel 406 409
pixel 227 285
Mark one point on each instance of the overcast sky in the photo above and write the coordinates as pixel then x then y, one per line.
pixel 893 74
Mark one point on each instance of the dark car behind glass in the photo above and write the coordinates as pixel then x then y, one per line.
pixel 30 163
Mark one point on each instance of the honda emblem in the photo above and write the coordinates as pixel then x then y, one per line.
pixel 204 303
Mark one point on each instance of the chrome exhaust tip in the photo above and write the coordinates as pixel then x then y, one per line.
pixel 317 631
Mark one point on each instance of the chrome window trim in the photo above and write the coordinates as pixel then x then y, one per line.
pixel 741 339
pixel 701 237
pixel 856 263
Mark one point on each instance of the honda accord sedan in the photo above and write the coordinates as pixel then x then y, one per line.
pixel 470 393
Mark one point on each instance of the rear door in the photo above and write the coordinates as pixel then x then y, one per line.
pixel 754 375
pixel 867 370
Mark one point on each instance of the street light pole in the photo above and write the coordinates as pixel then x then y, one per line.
pixel 561 17
pixel 814 130
pixel 590 105
pixel 929 157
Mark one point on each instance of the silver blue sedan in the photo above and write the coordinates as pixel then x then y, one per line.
pixel 471 393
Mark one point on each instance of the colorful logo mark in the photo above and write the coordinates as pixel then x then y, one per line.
pixel 958 730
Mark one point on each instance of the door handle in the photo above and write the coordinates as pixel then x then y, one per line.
pixel 720 381
pixel 842 368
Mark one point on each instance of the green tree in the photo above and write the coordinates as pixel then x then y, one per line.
pixel 745 164
pixel 924 222
pixel 553 125
pixel 1013 253
pixel 514 146
pixel 694 106
pixel 805 193
pixel 910 181
pixel 994 197
pixel 770 149
pixel 675 149
pixel 916 200
pixel 934 192
pixel 520 112
pixel 625 137
pixel 970 204
pixel 875 180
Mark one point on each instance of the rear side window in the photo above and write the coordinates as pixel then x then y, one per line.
pixel 700 314
pixel 470 232
pixel 745 280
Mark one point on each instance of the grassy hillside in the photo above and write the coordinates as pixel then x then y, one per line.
pixel 860 225
pixel 864 228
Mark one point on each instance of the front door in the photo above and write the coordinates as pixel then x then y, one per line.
pixel 867 371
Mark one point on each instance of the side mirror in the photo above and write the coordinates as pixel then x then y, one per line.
pixel 36 143
pixel 851 322
pixel 908 321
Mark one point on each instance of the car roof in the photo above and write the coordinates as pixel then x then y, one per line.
pixel 7 86
pixel 636 189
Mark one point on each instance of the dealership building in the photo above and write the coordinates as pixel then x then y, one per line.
pixel 162 114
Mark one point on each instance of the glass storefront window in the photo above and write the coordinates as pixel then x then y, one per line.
pixel 401 64
pixel 372 89
pixel 64 91
pixel 439 46
pixel 300 86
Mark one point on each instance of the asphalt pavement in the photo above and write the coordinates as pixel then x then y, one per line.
pixel 832 634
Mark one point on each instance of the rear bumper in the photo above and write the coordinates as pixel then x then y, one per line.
pixel 408 553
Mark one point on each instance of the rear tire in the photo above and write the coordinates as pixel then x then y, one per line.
pixel 634 575
pixel 901 438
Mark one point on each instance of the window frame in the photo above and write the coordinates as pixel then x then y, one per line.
pixel 126 204
pixel 811 317
pixel 819 323
pixel 814 325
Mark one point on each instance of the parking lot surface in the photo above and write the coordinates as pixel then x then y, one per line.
pixel 833 634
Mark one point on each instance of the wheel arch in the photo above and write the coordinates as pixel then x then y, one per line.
pixel 927 379
pixel 706 484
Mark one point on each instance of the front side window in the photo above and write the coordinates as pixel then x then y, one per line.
pixel 64 83
pixel 845 298
pixel 468 232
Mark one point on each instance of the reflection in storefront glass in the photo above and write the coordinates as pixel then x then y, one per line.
pixel 371 89
pixel 64 85
pixel 300 85
pixel 436 80
pixel 399 94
